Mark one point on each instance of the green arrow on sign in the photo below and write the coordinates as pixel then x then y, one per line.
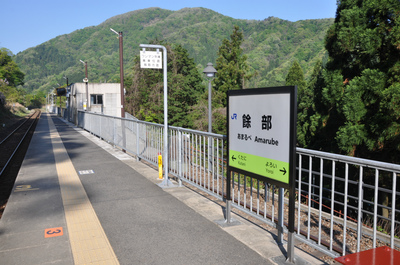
pixel 283 170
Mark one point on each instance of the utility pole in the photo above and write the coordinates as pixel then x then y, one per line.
pixel 86 81
pixel 121 70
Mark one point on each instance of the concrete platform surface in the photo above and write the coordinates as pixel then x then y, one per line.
pixel 78 200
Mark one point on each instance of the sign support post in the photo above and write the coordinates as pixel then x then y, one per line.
pixel 292 187
pixel 166 182
pixel 262 144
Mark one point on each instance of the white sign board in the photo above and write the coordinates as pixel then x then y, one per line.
pixel 262 142
pixel 260 134
pixel 151 59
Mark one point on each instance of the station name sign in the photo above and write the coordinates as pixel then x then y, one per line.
pixel 261 132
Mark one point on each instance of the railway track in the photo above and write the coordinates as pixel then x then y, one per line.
pixel 12 152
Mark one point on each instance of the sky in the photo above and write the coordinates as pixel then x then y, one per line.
pixel 28 23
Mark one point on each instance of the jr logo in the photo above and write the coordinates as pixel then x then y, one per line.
pixel 234 116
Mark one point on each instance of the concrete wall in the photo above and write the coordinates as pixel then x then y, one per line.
pixel 110 93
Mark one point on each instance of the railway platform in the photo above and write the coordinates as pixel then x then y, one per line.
pixel 78 200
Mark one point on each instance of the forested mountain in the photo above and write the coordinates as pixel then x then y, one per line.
pixel 271 46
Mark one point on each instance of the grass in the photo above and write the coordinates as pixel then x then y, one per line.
pixel 11 113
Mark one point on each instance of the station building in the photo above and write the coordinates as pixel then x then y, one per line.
pixel 104 98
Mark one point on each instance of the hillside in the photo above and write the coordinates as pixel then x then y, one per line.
pixel 271 45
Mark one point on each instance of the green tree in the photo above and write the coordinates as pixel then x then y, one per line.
pixel 9 70
pixel 295 77
pixel 307 117
pixel 185 87
pixel 199 114
pixel 37 100
pixel 10 76
pixel 232 68
pixel 362 85
pixel 145 96
pixel 365 35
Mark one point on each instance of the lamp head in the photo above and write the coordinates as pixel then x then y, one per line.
pixel 209 71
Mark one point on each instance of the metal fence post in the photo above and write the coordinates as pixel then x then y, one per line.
pixel 280 215
pixel 180 157
pixel 228 197
pixel 114 134
pixel 123 134
pixel 210 151
pixel 360 207
pixel 137 141
pixel 394 187
pixel 101 136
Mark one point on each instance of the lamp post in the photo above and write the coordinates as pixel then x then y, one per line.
pixel 86 81
pixel 121 70
pixel 209 71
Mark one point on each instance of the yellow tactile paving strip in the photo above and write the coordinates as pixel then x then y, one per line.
pixel 88 241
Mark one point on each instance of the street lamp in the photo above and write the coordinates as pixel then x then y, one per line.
pixel 87 89
pixel 209 71
pixel 121 70
pixel 86 75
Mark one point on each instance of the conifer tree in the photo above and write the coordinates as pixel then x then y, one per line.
pixel 295 77
pixel 307 117
pixel 232 68
pixel 362 79
pixel 365 35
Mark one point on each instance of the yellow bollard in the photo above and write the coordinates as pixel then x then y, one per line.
pixel 160 170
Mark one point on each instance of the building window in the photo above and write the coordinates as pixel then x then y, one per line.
pixel 96 99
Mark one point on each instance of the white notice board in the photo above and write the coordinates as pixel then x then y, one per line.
pixel 151 59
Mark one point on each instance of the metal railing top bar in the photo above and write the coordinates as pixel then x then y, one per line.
pixel 119 118
pixel 220 136
pixel 348 159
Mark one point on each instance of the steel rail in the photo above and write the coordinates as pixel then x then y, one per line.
pixel 23 138
pixel 8 136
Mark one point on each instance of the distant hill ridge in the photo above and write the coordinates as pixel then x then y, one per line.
pixel 270 44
